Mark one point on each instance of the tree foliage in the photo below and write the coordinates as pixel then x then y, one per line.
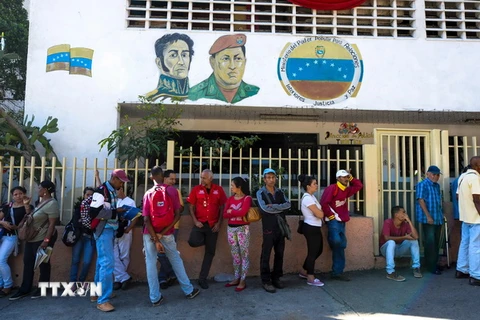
pixel 13 68
pixel 145 137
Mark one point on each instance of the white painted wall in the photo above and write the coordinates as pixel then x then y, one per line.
pixel 399 74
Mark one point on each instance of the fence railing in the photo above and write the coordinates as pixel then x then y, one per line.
pixel 71 176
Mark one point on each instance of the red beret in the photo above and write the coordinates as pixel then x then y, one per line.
pixel 228 41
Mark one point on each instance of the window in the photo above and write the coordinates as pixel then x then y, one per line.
pixel 374 18
pixel 453 19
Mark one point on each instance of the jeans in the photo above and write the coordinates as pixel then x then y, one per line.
pixel 272 239
pixel 338 242
pixel 314 238
pixel 469 252
pixel 7 245
pixel 173 256
pixel 29 257
pixel 121 250
pixel 391 250
pixel 105 264
pixel 87 245
pixel 166 270
pixel 431 238
pixel 204 236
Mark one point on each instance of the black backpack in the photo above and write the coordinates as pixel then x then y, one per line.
pixel 72 232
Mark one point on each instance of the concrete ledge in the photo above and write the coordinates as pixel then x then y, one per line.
pixel 359 252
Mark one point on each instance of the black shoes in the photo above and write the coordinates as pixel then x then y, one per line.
pixel 340 277
pixel 193 294
pixel 125 284
pixel 461 275
pixel 164 285
pixel 117 285
pixel 18 295
pixel 474 282
pixel 277 283
pixel 203 283
pixel 269 287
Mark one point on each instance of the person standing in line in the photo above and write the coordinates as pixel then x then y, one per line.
pixel 206 207
pixel 312 228
pixel 166 275
pixel 399 238
pixel 429 213
pixel 161 210
pixel 273 204
pixel 238 231
pixel 335 206
pixel 11 216
pixel 122 244
pixel 468 262
pixel 45 217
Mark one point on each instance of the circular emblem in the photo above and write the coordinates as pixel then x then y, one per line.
pixel 321 71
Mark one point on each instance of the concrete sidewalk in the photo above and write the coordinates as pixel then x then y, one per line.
pixel 368 296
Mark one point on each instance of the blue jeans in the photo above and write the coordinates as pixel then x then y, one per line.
pixel 7 245
pixel 166 270
pixel 85 244
pixel 105 263
pixel 431 238
pixel 391 250
pixel 173 256
pixel 469 252
pixel 338 242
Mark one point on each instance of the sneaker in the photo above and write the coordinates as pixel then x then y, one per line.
pixel 303 276
pixel 417 273
pixel 395 277
pixel 203 283
pixel 36 294
pixel 117 285
pixel 18 295
pixel 193 294
pixel 474 282
pixel 277 283
pixel 316 283
pixel 340 277
pixel 156 304
pixel 269 287
pixel 105 307
pixel 458 275
pixel 125 284
pixel 164 285
pixel 171 281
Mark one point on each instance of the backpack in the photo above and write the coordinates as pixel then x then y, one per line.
pixel 87 215
pixel 161 213
pixel 72 233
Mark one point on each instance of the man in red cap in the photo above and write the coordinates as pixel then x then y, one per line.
pixel 227 59
pixel 104 209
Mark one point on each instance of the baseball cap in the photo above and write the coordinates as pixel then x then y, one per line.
pixel 120 174
pixel 434 170
pixel 269 170
pixel 97 200
pixel 342 173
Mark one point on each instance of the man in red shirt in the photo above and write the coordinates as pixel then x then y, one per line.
pixel 206 207
pixel 399 238
pixel 335 206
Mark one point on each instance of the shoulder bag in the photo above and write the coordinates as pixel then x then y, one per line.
pixel 27 231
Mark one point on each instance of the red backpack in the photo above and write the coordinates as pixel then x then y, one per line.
pixel 161 213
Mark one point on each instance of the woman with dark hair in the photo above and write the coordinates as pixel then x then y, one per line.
pixel 313 215
pixel 11 216
pixel 238 231
pixel 45 217
pixel 85 244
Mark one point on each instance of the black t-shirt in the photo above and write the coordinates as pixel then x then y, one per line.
pixel 19 213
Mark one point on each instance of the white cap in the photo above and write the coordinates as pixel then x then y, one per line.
pixel 97 200
pixel 342 173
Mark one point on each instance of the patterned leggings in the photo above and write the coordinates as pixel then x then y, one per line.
pixel 239 240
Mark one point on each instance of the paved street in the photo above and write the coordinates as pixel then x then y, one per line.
pixel 368 296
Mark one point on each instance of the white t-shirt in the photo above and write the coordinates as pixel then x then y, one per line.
pixel 468 185
pixel 310 219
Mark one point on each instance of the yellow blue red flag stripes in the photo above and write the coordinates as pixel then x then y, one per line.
pixel 58 58
pixel 81 61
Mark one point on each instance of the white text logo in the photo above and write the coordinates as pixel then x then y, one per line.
pixel 71 289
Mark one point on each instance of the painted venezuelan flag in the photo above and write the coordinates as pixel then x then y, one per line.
pixel 81 61
pixel 323 70
pixel 58 58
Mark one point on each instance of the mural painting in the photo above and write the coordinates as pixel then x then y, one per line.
pixel 174 55
pixel 74 60
pixel 228 61
pixel 322 71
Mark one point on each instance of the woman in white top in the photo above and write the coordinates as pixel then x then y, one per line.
pixel 313 216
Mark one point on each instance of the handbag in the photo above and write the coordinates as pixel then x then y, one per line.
pixel 27 231
pixel 253 215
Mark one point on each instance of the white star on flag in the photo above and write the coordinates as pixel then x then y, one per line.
pixel 307 64
pixel 300 69
pixel 332 65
